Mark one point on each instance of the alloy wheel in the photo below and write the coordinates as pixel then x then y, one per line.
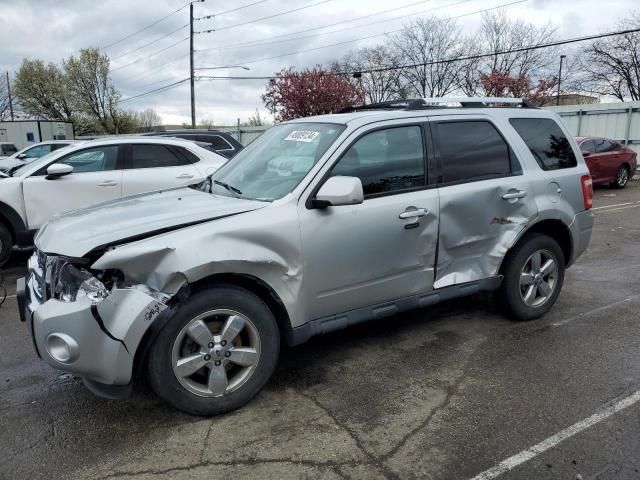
pixel 622 177
pixel 216 353
pixel 538 278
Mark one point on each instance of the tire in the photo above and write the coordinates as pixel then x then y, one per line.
pixel 6 245
pixel 622 177
pixel 218 384
pixel 531 300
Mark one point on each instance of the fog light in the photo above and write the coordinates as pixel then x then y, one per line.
pixel 62 347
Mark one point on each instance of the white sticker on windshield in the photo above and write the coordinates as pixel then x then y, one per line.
pixel 305 136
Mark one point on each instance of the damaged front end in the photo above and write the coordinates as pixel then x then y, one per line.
pixel 86 321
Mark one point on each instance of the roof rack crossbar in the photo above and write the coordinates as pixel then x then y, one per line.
pixel 440 102
pixel 475 100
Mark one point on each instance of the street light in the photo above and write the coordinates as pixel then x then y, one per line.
pixel 562 57
pixel 224 66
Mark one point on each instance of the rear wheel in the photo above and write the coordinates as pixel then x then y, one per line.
pixel 6 244
pixel 622 177
pixel 533 276
pixel 216 353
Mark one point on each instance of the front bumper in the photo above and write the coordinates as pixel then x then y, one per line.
pixel 97 341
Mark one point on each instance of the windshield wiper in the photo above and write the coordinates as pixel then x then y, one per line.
pixel 228 187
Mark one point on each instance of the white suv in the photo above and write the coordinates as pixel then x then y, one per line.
pixel 88 173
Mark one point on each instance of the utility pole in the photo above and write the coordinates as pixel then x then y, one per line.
pixel 10 100
pixel 562 57
pixel 193 94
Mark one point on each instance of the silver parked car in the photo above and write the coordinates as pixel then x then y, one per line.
pixel 319 224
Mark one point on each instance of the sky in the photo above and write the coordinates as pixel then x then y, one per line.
pixel 159 55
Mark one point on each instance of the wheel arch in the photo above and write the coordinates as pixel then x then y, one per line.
pixel 556 229
pixel 12 221
pixel 249 282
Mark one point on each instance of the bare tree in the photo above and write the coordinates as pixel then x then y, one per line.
pixel 499 34
pixel 377 86
pixel 90 87
pixel 147 119
pixel 611 65
pixel 422 44
pixel 469 75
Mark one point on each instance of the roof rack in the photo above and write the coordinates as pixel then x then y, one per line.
pixel 442 102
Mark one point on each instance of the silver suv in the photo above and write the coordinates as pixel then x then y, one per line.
pixel 319 224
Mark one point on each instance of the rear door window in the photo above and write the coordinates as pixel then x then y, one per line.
pixel 472 150
pixel 588 146
pixel 546 141
pixel 153 156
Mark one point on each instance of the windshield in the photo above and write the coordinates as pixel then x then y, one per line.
pixel 274 164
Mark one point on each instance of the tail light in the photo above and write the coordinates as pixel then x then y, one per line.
pixel 587 191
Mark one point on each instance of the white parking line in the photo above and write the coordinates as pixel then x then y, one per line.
pixel 615 209
pixel 595 310
pixel 609 206
pixel 532 452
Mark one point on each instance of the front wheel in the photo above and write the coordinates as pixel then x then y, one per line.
pixel 533 276
pixel 622 177
pixel 216 353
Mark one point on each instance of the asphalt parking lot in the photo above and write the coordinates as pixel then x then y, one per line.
pixel 450 392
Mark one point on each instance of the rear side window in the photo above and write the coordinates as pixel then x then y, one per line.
pixel 188 156
pixel 153 156
pixel 472 150
pixel 604 145
pixel 216 141
pixel 546 141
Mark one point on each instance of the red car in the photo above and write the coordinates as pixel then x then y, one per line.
pixel 608 161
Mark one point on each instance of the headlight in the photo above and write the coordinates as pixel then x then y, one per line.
pixel 72 283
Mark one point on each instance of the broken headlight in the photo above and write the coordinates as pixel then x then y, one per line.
pixel 73 282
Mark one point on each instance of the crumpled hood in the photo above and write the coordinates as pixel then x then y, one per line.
pixel 76 233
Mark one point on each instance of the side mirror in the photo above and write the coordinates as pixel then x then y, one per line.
pixel 585 154
pixel 22 156
pixel 57 170
pixel 338 191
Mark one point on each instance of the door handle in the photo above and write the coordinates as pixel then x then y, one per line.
pixel 514 195
pixel 413 213
pixel 108 183
pixel 184 176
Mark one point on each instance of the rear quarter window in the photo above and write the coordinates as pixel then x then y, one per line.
pixel 546 141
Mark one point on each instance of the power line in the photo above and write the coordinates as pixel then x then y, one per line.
pixel 451 60
pixel 227 27
pixel 151 42
pixel 342 29
pixel 502 52
pixel 372 36
pixel 259 42
pixel 151 55
pixel 206 17
pixel 145 28
pixel 156 90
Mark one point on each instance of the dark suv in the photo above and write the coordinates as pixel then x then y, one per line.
pixel 219 142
